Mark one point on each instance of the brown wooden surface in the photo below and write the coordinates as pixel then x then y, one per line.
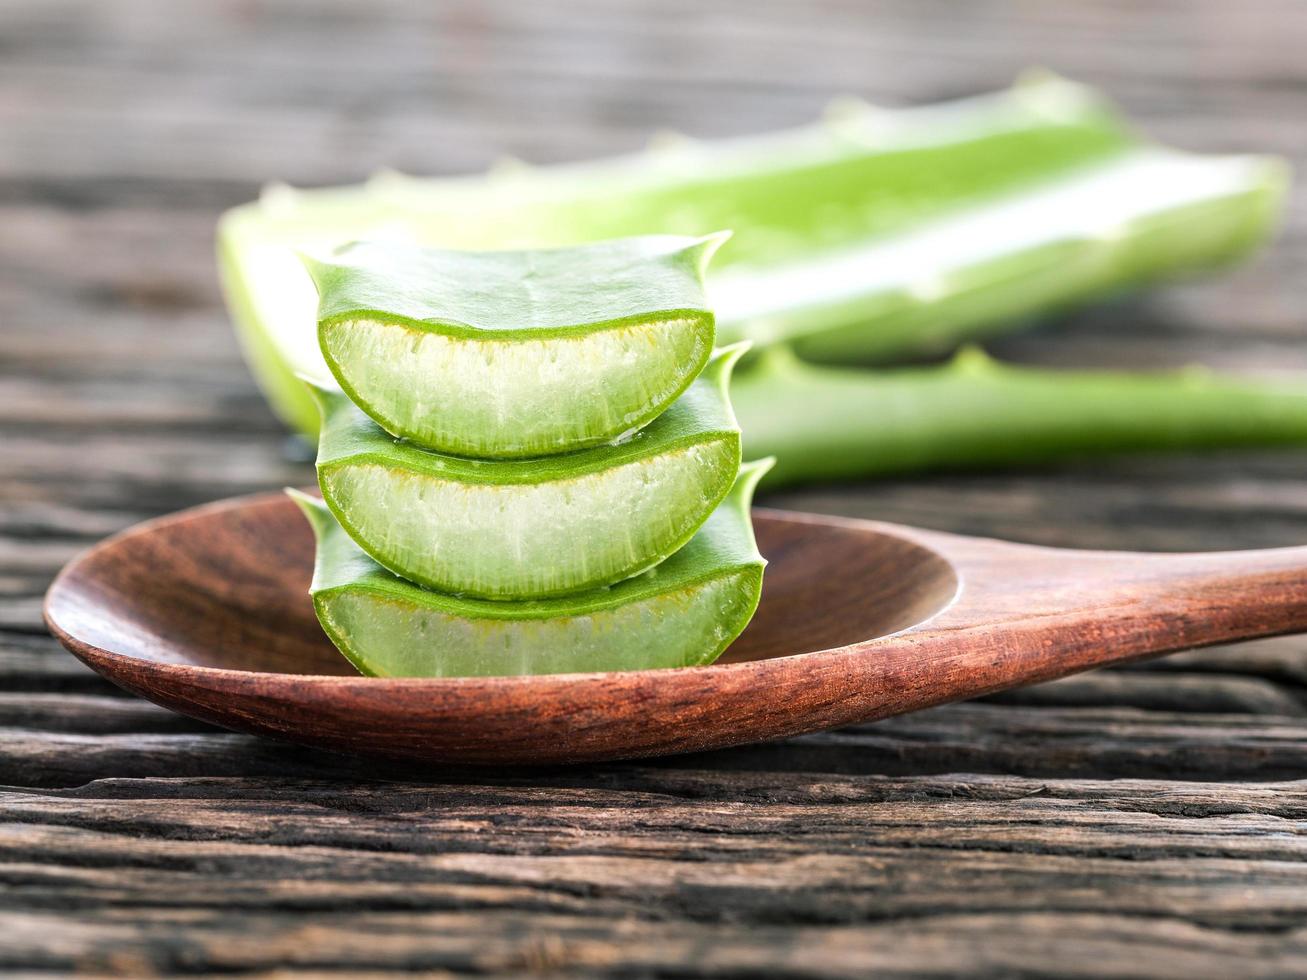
pixel 1129 822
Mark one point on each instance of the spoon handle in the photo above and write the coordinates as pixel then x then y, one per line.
pixel 1025 614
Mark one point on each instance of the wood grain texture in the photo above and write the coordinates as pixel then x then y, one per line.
pixel 1132 822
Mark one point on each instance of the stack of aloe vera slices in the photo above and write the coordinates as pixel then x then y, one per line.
pixel 528 460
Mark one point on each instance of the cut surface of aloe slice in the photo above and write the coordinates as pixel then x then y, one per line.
pixel 515 353
pixel 682 613
pixel 525 528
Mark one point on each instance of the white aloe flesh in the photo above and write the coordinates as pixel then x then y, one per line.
pixel 683 613
pixel 507 354
pixel 515 529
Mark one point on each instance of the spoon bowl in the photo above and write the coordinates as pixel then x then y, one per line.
pixel 207 612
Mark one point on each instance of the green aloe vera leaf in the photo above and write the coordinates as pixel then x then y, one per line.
pixel 1141 217
pixel 831 423
pixel 682 613
pixel 528 528
pixel 516 353
pixel 861 176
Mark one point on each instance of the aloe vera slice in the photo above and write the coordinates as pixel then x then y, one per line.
pixel 515 529
pixel 515 353
pixel 683 613
pixel 837 423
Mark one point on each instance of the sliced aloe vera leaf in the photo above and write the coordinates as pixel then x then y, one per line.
pixel 683 613
pixel 514 529
pixel 515 353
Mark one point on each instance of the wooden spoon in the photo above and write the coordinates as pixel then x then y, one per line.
pixel 207 613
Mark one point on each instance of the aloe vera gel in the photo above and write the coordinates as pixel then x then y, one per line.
pixel 628 553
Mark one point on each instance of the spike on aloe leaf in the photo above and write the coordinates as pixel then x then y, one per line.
pixel 318 516
pixel 669 141
pixel 685 612
pixel 319 269
pixel 278 196
pixel 384 178
pixel 508 166
pixel 533 527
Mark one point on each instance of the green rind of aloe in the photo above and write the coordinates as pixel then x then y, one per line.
pixel 552 525
pixel 685 612
pixel 510 354
pixel 975 412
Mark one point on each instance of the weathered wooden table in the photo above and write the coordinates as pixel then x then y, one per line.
pixel 1143 821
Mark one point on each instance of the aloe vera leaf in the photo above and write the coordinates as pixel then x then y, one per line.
pixel 833 423
pixel 516 353
pixel 862 175
pixel 526 528
pixel 1143 216
pixel 683 613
